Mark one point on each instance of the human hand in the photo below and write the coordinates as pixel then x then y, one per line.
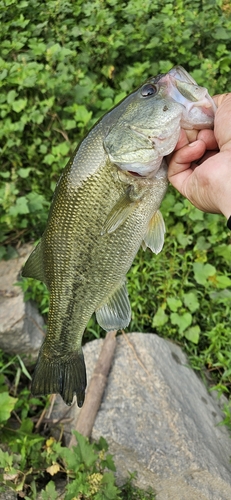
pixel 200 167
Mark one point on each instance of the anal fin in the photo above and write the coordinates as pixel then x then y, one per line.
pixel 115 313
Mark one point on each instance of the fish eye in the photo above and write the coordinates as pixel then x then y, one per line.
pixel 148 90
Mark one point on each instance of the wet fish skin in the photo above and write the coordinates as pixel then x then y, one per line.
pixel 105 206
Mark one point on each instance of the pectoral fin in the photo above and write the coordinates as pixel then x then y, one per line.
pixel 126 204
pixel 154 238
pixel 120 212
pixel 33 267
pixel 116 312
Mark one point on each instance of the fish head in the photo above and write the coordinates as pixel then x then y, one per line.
pixel 146 125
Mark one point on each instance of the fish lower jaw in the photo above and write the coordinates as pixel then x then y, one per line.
pixel 198 118
pixel 158 172
pixel 200 112
pixel 138 169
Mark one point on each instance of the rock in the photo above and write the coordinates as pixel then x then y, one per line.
pixel 160 421
pixel 8 495
pixel 21 325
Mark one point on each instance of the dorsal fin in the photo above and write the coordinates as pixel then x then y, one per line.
pixel 33 267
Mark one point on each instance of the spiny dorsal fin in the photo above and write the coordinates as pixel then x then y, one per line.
pixel 154 238
pixel 115 313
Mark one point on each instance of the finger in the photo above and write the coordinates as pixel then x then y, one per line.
pixel 222 120
pixel 219 98
pixel 180 168
pixel 208 154
pixel 181 159
pixel 186 136
pixel 182 141
pixel 209 139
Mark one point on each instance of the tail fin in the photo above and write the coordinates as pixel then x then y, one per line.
pixel 64 376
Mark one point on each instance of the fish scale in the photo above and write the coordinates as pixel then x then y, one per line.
pixel 106 204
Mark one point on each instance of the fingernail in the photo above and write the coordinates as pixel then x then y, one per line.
pixel 192 144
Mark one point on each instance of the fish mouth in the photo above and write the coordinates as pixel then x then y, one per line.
pixel 135 174
pixel 183 89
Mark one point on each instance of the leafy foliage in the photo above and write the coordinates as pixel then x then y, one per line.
pixel 61 68
pixel 84 465
pixel 31 464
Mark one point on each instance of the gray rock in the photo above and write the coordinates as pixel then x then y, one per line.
pixel 21 325
pixel 160 421
pixel 8 495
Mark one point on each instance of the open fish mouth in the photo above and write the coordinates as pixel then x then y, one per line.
pixel 183 89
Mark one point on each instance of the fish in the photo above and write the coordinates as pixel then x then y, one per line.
pixel 104 208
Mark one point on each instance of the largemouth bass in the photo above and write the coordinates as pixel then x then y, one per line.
pixel 105 206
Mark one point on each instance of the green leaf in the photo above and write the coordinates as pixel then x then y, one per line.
pixel 62 149
pixel 53 49
pixel 27 426
pixel 102 444
pixel 50 492
pixel 3 74
pixel 5 175
pixel 87 453
pixel 221 34
pixel 181 320
pixel 223 281
pixel 202 243
pixel 109 463
pixel 195 214
pixel 184 239
pixel 72 458
pixel 19 105
pixel 70 124
pixel 24 370
pixel 49 159
pixel 193 334
pixel 173 303
pixel 202 272
pixel 20 207
pixel 119 97
pixel 190 301
pixel 223 251
pixel 6 460
pixel 82 115
pixel 36 202
pixel 160 318
pixel 7 404
pixel 24 172
pixel 11 96
pixel 110 490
